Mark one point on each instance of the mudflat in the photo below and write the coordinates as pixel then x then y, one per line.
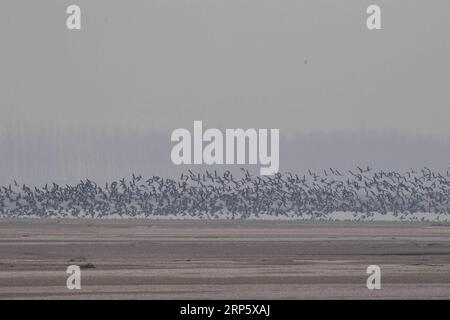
pixel 204 259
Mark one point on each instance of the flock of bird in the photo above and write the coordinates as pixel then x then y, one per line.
pixel 213 195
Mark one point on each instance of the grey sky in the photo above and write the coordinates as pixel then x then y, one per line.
pixel 309 68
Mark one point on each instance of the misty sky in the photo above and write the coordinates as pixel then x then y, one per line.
pixel 140 69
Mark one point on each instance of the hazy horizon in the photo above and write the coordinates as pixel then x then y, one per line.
pixel 102 102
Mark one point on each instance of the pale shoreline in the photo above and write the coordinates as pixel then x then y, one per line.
pixel 330 217
pixel 217 259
